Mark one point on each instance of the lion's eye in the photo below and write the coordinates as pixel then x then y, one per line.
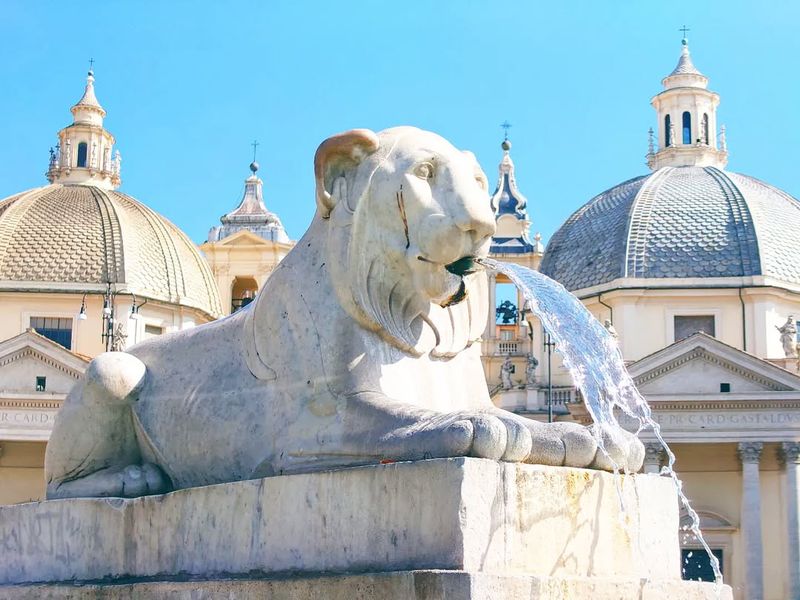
pixel 482 182
pixel 424 170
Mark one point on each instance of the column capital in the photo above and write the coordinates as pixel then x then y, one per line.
pixel 750 452
pixel 790 452
pixel 653 453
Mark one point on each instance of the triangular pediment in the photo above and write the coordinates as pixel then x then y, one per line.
pixel 29 355
pixel 700 363
pixel 244 237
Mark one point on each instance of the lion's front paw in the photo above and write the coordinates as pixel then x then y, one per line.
pixel 496 438
pixel 573 445
pixel 621 448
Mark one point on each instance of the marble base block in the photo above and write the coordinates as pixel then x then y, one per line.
pixel 462 522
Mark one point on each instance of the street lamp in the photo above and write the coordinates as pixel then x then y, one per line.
pixel 111 333
pixel 549 344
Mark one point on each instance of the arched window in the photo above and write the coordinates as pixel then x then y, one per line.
pixel 687 128
pixel 82 154
pixel 667 131
pixel 705 129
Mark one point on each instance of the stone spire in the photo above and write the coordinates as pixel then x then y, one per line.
pixel 251 214
pixel 88 109
pixel 687 119
pixel 84 153
pixel 511 210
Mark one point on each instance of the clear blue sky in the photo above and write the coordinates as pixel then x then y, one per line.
pixel 188 86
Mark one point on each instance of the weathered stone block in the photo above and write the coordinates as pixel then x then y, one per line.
pixel 548 526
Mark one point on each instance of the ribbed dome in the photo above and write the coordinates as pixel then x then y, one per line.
pixel 55 237
pixel 679 222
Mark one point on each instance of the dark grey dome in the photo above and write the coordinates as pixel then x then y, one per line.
pixel 679 222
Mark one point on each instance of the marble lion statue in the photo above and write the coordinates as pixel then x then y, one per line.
pixel 360 348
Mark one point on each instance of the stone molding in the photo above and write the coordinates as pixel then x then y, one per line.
pixel 49 361
pixel 750 452
pixel 754 404
pixel 705 355
pixel 33 403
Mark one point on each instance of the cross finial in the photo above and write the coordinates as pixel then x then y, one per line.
pixel 255 146
pixel 506 126
pixel 684 30
pixel 91 65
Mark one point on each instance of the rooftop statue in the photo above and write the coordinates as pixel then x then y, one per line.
pixel 360 348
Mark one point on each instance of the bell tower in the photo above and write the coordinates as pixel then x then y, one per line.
pixel 687 120
pixel 83 154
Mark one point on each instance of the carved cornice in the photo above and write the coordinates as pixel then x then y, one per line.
pixel 790 452
pixel 48 360
pixel 29 404
pixel 750 452
pixel 705 355
pixel 688 405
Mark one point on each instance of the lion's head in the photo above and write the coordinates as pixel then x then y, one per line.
pixel 407 212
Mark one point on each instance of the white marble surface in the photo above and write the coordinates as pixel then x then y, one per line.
pixel 459 514
pixel 359 347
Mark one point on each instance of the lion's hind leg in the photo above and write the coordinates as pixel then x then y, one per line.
pixel 93 450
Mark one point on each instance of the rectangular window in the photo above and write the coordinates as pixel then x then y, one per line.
pixel 696 564
pixel 507 335
pixel 41 384
pixel 724 387
pixel 58 329
pixel 686 325
pixel 151 330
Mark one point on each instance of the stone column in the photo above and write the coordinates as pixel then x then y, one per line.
pixel 790 453
pixel 653 457
pixel 750 455
pixel 490 322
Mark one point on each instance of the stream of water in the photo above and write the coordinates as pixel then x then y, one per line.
pixel 594 360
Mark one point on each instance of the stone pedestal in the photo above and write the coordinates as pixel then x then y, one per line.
pixel 449 528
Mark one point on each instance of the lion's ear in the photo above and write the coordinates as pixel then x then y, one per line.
pixel 334 156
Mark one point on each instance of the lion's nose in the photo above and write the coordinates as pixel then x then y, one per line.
pixel 477 218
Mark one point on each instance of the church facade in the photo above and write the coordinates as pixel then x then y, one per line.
pixel 696 270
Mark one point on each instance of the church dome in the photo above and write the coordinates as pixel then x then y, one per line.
pixel 679 222
pixel 76 237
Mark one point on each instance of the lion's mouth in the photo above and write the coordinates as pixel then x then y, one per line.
pixel 465 265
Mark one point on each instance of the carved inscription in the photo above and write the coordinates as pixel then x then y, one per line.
pixel 723 420
pixel 27 418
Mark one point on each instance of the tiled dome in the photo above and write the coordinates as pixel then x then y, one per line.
pixel 679 222
pixel 57 237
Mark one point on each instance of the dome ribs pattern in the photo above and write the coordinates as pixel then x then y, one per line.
pixel 776 217
pixel 174 282
pixel 639 221
pixel 679 223
pixel 13 210
pixel 193 288
pixel 112 235
pixel 52 239
pixel 81 234
pixel 589 249
pixel 742 223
